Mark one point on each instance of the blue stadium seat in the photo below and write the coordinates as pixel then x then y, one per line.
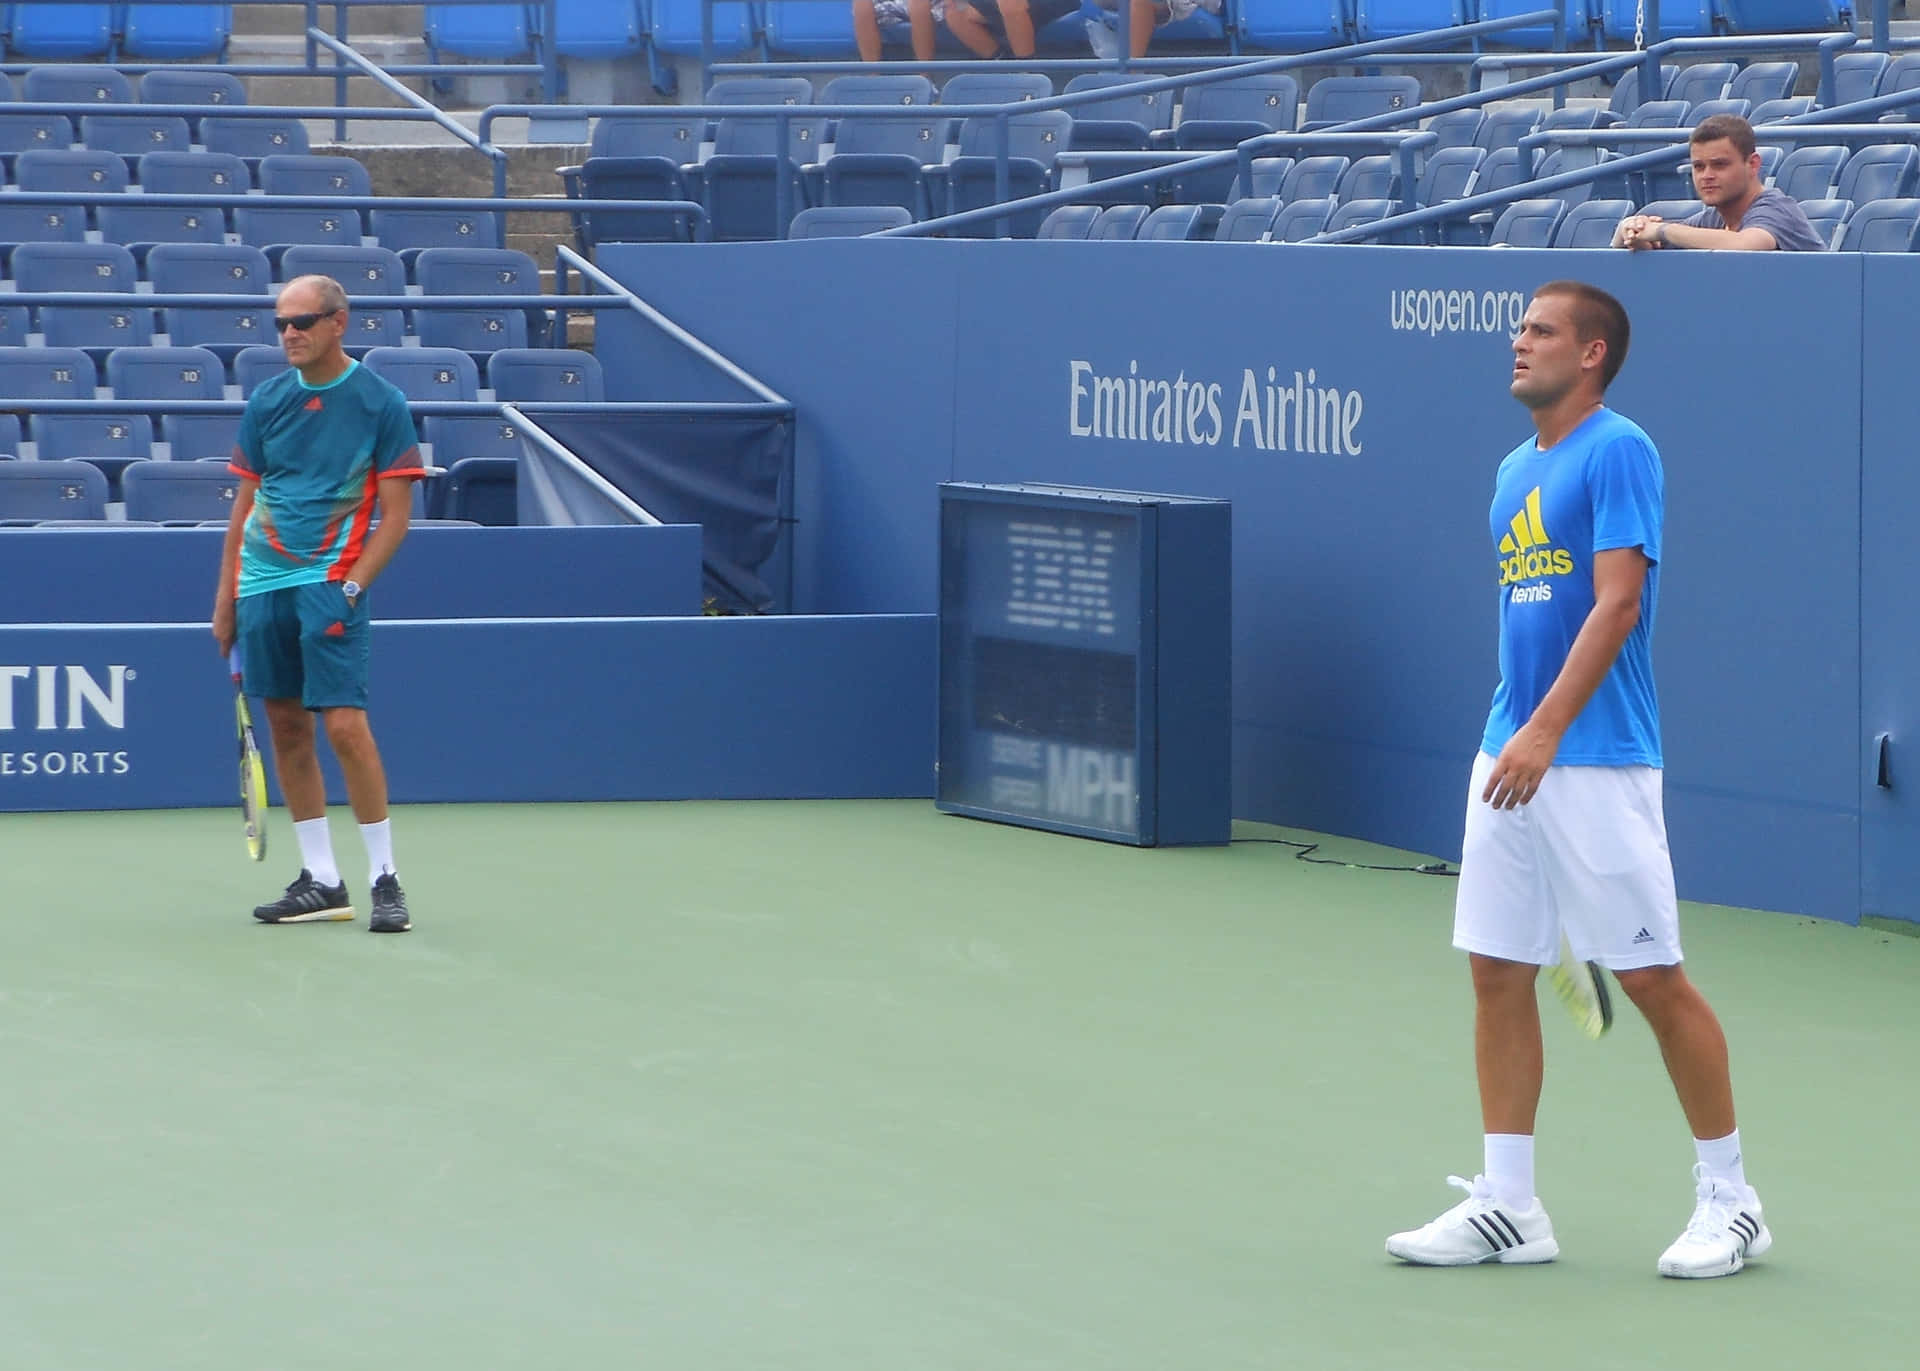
pixel 995 88
pixel 490 33
pixel 1673 211
pixel 1659 114
pixel 1771 155
pixel 31 132
pixel 252 137
pixel 632 178
pixel 636 135
pixel 853 221
pixel 10 438
pixel 484 271
pixel 1179 223
pixel 271 227
pixel 1828 217
pixel 1117 122
pixel 133 135
pixel 485 490
pixel 76 170
pixel 1884 171
pixel 45 374
pixel 1775 111
pixel 1284 26
pixel 1354 213
pixel 1369 178
pixel 193 173
pixel 1505 125
pixel 213 269
pixel 371 326
pixel 1902 74
pixel 1759 82
pixel 558 374
pixel 1073 222
pixel 15 324
pixel 65 84
pixel 64 31
pixel 1563 160
pixel 295 174
pixel 406 231
pixel 1313 178
pixel 810 30
pixel 1341 99
pixel 1810 171
pixel 1627 95
pixel 602 30
pixel 1699 82
pixel 676 27
pixel 427 373
pixel 475 331
pixel 1118 223
pixel 760 90
pixel 1269 174
pixel 1678 19
pixel 166 373
pixel 1397 18
pixel 1223 115
pixel 39 224
pixel 74 267
pixel 879 161
pixel 52 490
pixel 1528 224
pixel 1034 140
pixel 1448 174
pixel 139 227
pixel 1458 128
pixel 1248 220
pixel 1591 223
pixel 172 32
pixel 880 88
pixel 97 329
pixel 180 491
pixel 1708 109
pixel 200 437
pixel 741 196
pixel 1779 16
pixel 110 442
pixel 1883 226
pixel 1856 76
pixel 456 437
pixel 1582 19
pixel 192 86
pixel 1303 219
pixel 253 365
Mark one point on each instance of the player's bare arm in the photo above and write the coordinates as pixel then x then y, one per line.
pixel 1619 576
pixel 224 628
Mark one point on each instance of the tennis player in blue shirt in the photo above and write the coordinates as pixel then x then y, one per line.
pixel 325 448
pixel 1565 828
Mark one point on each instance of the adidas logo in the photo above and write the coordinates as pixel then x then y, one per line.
pixel 1525 555
pixel 339 630
pixel 1643 936
pixel 314 403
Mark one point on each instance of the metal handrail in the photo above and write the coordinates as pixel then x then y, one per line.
pixel 407 97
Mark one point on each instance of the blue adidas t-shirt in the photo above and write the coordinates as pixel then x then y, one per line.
pixel 319 454
pixel 1598 489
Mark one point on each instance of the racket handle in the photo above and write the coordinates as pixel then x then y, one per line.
pixel 233 661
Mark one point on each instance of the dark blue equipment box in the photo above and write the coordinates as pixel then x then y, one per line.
pixel 1085 661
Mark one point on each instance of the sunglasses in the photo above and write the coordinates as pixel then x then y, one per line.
pixel 300 323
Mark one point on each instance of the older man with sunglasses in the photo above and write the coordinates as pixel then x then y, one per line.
pixel 325 448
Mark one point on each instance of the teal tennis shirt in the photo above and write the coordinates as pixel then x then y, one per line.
pixel 319 454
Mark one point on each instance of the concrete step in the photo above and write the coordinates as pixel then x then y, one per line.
pixel 361 19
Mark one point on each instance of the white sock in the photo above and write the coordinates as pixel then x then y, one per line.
pixel 316 850
pixel 379 840
pixel 1721 1157
pixel 1510 1168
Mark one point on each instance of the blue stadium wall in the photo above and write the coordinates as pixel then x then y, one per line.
pixel 1779 389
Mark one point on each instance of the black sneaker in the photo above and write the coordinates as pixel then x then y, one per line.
pixel 307 902
pixel 389 907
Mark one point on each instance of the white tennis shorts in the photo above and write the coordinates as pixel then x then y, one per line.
pixel 1587 853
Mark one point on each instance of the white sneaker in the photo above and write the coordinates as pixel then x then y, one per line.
pixel 1479 1229
pixel 1724 1234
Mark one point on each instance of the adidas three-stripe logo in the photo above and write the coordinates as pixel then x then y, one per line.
pixel 1496 1230
pixel 1746 1228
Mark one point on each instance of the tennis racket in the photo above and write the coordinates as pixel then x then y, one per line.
pixel 253 773
pixel 1582 988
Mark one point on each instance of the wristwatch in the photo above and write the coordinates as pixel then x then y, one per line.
pixel 352 588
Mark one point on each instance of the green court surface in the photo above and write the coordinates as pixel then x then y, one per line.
pixel 858 1085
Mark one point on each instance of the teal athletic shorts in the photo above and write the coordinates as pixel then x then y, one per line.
pixel 304 643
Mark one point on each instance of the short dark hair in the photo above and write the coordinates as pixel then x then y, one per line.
pixel 1728 126
pixel 1596 314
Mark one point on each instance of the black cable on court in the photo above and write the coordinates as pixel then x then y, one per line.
pixel 1306 851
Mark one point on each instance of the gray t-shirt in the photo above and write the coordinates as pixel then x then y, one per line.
pixel 1776 212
